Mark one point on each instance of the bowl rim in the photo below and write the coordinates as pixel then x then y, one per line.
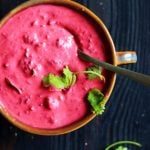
pixel 78 124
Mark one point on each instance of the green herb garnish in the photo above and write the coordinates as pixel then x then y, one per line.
pixel 67 79
pixel 95 98
pixel 93 72
pixel 122 147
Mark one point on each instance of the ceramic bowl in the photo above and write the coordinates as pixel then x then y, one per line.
pixel 117 58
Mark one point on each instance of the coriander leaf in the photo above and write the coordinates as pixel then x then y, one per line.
pixel 109 147
pixel 74 78
pixel 61 82
pixel 54 81
pixel 67 76
pixel 121 148
pixel 96 70
pixel 95 98
pixel 93 72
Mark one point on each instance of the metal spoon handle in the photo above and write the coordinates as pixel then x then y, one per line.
pixel 139 77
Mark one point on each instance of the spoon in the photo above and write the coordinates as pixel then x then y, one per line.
pixel 139 77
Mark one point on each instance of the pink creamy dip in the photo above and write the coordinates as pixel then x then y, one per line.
pixel 41 40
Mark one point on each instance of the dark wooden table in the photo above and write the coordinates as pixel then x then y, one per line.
pixel 127 116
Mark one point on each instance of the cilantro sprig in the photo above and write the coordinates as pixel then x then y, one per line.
pixel 120 147
pixel 96 100
pixel 67 79
pixel 93 72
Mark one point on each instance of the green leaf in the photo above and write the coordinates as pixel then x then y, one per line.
pixel 61 82
pixel 109 147
pixel 95 98
pixel 121 148
pixel 96 70
pixel 54 81
pixel 67 76
pixel 74 78
pixel 93 72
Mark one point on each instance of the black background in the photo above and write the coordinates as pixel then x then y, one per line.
pixel 127 116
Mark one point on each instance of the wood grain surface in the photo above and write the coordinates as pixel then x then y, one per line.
pixel 127 115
